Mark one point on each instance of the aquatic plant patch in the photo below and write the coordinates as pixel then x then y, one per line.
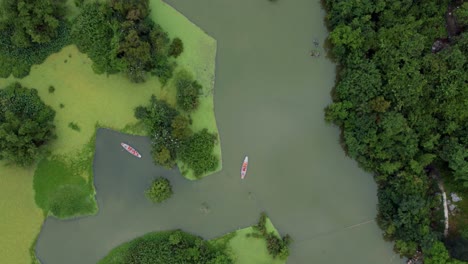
pixel 62 191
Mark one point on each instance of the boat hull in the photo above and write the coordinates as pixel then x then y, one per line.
pixel 244 167
pixel 130 150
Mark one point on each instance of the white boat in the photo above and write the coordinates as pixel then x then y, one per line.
pixel 244 167
pixel 130 150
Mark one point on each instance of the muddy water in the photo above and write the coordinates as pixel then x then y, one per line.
pixel 269 99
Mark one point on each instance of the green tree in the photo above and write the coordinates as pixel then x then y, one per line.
pixel 176 48
pixel 159 191
pixel 26 124
pixel 437 254
pixel 197 152
pixel 32 21
pixel 181 127
pixel 187 91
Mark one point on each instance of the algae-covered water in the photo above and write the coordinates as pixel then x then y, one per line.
pixel 269 100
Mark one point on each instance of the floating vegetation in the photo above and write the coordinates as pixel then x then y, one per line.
pixel 74 126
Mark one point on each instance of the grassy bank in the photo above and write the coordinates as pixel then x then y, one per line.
pixel 249 249
pixel 21 219
pixel 86 99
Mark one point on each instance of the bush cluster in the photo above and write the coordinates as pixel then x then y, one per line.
pixel 173 139
pixel 187 91
pixel 159 191
pixel 276 246
pixel 120 37
pixel 169 247
pixel 26 124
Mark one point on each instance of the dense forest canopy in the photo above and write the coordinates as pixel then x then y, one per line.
pixel 26 124
pixel 30 22
pixel 402 106
pixel 120 37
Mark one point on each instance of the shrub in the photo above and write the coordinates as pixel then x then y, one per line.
pixel 158 117
pixel 176 48
pixel 159 191
pixel 197 153
pixel 181 127
pixel 187 91
pixel 51 89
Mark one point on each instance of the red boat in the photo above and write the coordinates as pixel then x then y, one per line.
pixel 130 150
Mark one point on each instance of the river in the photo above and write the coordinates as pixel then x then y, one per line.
pixel 269 101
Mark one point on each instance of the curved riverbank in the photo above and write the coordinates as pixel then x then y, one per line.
pixel 270 96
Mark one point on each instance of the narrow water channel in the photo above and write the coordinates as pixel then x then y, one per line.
pixel 269 100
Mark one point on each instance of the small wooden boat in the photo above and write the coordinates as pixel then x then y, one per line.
pixel 244 167
pixel 130 150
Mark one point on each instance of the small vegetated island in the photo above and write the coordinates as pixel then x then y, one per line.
pixel 260 243
pixel 68 68
pixel 401 100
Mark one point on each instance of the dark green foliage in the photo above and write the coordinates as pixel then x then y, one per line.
pixel 458 247
pixel 18 60
pixel 461 14
pixel 181 127
pixel 401 107
pixel 170 247
pixel 51 89
pixel 187 91
pixel 92 33
pixel 74 126
pixel 119 37
pixel 79 3
pixel 158 118
pixel 30 22
pixel 26 124
pixel 173 139
pixel 140 112
pixel 197 152
pixel 61 105
pixel 159 191
pixel 261 224
pixel 176 48
pixel 276 246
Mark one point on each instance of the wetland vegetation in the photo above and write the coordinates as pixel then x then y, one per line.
pixel 58 158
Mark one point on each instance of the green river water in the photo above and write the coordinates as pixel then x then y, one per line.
pixel 269 101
